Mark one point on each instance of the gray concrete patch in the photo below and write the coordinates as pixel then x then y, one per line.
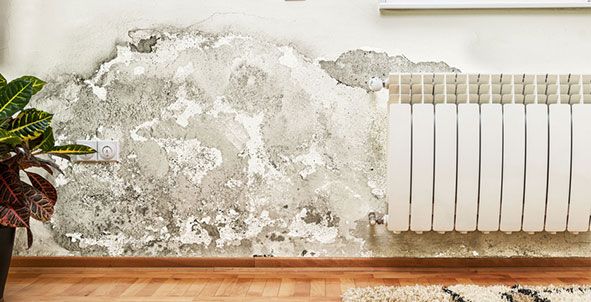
pixel 236 146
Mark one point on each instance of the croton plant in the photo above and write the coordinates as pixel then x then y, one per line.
pixel 26 143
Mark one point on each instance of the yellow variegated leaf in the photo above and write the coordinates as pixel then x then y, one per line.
pixel 30 124
pixel 44 142
pixel 71 150
pixel 37 83
pixel 14 97
pixel 8 138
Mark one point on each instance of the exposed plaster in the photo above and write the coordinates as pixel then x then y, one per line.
pixel 144 45
pixel 233 145
pixel 356 67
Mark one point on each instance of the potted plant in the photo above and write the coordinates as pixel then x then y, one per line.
pixel 26 141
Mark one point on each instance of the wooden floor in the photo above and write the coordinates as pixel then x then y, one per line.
pixel 252 284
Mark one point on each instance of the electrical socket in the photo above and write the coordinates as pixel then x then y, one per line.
pixel 106 151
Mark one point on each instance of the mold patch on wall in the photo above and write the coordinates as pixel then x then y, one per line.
pixel 236 146
pixel 355 67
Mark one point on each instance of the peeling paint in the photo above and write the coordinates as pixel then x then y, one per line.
pixel 193 233
pixel 144 45
pixel 184 108
pixel 311 160
pixel 355 67
pixel 190 158
pixel 234 145
pixel 312 231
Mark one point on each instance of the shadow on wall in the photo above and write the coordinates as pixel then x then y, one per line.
pixel 3 29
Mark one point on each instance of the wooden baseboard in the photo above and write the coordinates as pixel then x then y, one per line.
pixel 21 261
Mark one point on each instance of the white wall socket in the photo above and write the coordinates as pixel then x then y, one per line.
pixel 106 151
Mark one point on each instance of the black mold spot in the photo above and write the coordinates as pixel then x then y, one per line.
pixel 211 230
pixel 316 217
pixel 332 219
pixel 275 237
pixel 144 45
pixel 142 210
pixel 195 229
pixel 312 216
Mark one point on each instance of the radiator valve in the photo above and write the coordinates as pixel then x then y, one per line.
pixel 375 84
pixel 375 218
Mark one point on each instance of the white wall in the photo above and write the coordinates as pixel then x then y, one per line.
pixel 47 37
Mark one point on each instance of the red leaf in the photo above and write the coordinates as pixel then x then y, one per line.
pixel 32 161
pixel 41 205
pixel 14 210
pixel 43 185
pixel 29 238
pixel 10 189
pixel 14 217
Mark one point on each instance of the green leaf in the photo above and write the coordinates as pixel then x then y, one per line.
pixel 8 138
pixel 14 97
pixel 2 81
pixel 44 142
pixel 14 209
pixel 37 83
pixel 71 150
pixel 4 151
pixel 30 124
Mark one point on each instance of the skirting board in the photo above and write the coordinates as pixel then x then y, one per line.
pixel 73 261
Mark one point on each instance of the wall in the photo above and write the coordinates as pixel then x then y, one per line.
pixel 245 127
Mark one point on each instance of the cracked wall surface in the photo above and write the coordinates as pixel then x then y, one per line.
pixel 235 145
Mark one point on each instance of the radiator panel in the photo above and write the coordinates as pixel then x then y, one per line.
pixel 491 161
pixel 536 167
pixel 399 172
pixel 468 167
pixel 421 202
pixel 444 195
pixel 559 157
pixel 580 190
pixel 513 167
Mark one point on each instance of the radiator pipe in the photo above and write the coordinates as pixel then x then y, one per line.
pixel 376 218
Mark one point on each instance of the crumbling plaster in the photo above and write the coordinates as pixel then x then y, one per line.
pixel 236 145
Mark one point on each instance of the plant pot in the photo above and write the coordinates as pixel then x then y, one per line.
pixel 6 244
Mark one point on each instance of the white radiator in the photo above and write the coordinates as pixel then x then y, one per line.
pixel 489 153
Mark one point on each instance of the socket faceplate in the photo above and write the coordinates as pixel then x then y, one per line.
pixel 107 151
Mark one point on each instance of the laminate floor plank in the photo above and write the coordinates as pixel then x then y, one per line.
pixel 333 287
pixel 272 288
pixel 256 288
pixel 287 287
pixel 318 288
